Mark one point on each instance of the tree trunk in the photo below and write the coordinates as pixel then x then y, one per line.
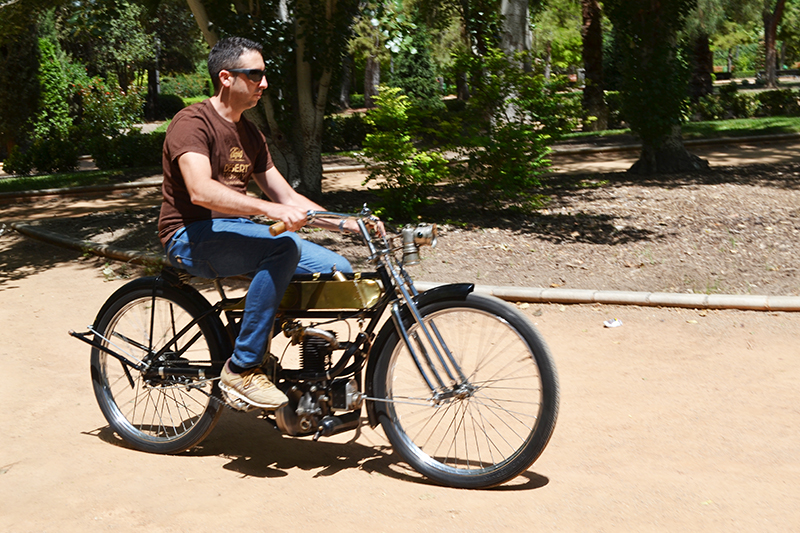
pixel 701 83
pixel 548 58
pixel 199 12
pixel 772 19
pixel 347 81
pixel 372 78
pixel 593 91
pixel 153 90
pixel 516 26
pixel 668 157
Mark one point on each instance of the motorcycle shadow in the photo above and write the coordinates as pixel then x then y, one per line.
pixel 255 448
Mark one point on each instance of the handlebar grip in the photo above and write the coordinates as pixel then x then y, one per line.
pixel 277 228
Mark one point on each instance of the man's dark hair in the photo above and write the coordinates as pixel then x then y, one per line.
pixel 226 54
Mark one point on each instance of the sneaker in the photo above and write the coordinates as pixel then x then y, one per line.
pixel 253 387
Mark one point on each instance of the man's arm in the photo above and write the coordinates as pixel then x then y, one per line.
pixel 278 190
pixel 208 193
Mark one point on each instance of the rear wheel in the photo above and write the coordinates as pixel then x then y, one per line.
pixel 484 429
pixel 170 410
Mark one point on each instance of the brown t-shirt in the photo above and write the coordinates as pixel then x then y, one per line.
pixel 236 151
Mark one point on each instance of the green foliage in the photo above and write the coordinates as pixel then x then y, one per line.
pixel 731 104
pixel 103 110
pixel 520 114
pixel 46 155
pixel 654 73
pixel 186 85
pixel 109 37
pixel 169 105
pixel 356 101
pixel 133 149
pixel 777 103
pixel 19 81
pixel 414 72
pixel 557 32
pixel 344 132
pixel 407 173
pixel 54 154
pixel 18 162
pixel 52 118
pixel 614 103
pixel 728 104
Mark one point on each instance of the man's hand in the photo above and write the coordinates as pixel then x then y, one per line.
pixel 375 224
pixel 292 217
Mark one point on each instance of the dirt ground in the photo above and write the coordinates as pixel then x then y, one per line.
pixel 679 420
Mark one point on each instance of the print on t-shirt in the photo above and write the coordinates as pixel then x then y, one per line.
pixel 236 168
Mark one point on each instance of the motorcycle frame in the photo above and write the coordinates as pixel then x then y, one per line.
pixel 399 296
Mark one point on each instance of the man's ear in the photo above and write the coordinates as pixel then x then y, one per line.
pixel 225 78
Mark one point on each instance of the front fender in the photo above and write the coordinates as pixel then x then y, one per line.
pixel 453 291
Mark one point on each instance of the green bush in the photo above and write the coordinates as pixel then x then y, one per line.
pixel 134 149
pixel 45 155
pixel 782 102
pixel 186 85
pixel 519 113
pixel 408 174
pixel 103 110
pixel 728 104
pixel 54 154
pixel 344 132
pixel 169 105
pixel 708 107
pixel 18 162
pixel 357 101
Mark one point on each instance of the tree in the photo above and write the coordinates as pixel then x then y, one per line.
pixel 557 35
pixel 19 67
pixel 414 71
pixel 594 102
pixel 108 37
pixel 707 18
pixel 771 15
pixel 654 80
pixel 304 42
pixel 367 46
pixel 516 26
pixel 789 33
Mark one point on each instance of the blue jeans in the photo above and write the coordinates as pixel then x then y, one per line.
pixel 223 247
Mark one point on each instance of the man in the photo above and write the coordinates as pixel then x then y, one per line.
pixel 210 154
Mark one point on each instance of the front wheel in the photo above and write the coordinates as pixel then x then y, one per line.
pixel 486 426
pixel 173 407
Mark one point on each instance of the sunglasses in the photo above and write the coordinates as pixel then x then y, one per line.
pixel 253 74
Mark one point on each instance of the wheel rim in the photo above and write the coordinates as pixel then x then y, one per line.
pixel 496 413
pixel 161 410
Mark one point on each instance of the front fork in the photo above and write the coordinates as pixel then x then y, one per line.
pixel 421 355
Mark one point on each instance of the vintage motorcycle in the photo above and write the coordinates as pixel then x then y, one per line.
pixel 463 384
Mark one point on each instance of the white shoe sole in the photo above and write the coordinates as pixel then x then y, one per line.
pixel 236 394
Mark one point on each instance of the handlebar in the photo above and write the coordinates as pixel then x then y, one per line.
pixel 279 227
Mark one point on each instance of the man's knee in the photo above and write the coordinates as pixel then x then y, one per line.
pixel 287 249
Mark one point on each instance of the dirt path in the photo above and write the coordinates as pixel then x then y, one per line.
pixel 678 420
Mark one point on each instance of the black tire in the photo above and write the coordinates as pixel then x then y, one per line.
pixel 163 415
pixel 492 433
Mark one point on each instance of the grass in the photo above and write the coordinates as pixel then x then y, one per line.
pixel 741 127
pixel 74 179
pixel 714 129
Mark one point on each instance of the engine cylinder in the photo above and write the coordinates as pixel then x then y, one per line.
pixel 315 354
